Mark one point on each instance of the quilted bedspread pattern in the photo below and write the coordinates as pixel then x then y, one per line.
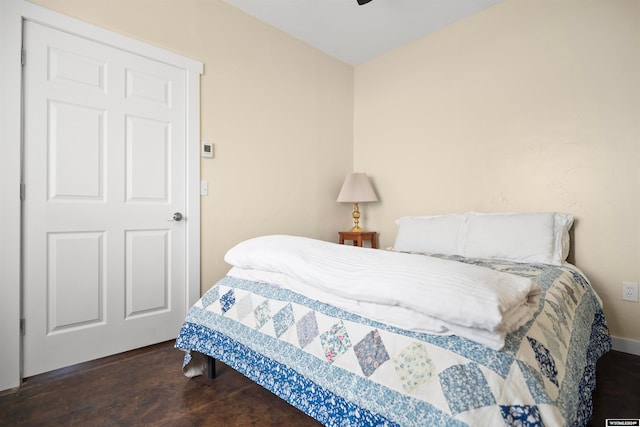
pixel 344 369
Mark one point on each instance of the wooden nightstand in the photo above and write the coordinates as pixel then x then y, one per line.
pixel 358 237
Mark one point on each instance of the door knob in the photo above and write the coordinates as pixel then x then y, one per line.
pixel 177 217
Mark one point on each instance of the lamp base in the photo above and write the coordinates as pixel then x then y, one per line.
pixel 356 218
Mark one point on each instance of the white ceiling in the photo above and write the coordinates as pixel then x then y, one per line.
pixel 354 33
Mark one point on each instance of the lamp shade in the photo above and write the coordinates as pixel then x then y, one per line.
pixel 357 188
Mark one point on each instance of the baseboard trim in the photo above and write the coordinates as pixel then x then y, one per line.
pixel 625 345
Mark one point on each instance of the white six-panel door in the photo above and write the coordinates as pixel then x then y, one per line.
pixel 104 173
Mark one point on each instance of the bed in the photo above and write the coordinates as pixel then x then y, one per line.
pixel 472 319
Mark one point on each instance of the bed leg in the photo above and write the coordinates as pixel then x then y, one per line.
pixel 211 365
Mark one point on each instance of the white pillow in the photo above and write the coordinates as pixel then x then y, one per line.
pixel 430 234
pixel 522 237
pixel 563 223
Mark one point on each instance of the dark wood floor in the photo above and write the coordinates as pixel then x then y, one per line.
pixel 617 393
pixel 146 387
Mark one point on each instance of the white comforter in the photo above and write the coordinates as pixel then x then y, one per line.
pixel 412 292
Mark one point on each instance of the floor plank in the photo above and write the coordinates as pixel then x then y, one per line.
pixel 617 393
pixel 142 388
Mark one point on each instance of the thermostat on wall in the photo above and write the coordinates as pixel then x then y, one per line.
pixel 207 149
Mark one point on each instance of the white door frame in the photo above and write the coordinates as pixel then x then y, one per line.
pixel 12 13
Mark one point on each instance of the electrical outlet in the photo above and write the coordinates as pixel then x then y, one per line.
pixel 630 291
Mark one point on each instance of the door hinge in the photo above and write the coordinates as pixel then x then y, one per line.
pixel 22 190
pixel 22 326
pixel 23 57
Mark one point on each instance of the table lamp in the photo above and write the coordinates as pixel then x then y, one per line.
pixel 357 189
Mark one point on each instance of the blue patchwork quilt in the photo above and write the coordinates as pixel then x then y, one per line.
pixel 344 369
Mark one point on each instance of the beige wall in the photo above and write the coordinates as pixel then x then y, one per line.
pixel 531 105
pixel 280 115
pixel 527 106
